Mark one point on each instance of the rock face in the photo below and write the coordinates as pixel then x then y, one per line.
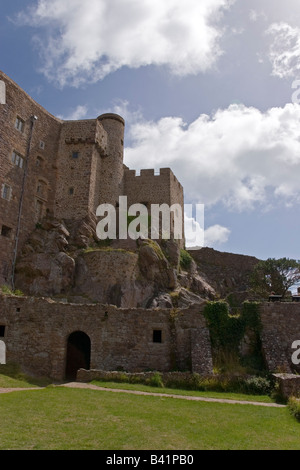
pixel 65 259
pixel 44 267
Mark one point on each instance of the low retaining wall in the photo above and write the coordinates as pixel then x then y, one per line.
pixel 289 384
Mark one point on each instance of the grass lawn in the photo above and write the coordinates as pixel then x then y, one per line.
pixel 58 418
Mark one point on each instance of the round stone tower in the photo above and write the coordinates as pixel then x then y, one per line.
pixel 111 183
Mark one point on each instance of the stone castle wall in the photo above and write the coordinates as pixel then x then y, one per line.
pixel 37 331
pixel 281 327
pixel 226 272
pixel 150 188
pixel 40 183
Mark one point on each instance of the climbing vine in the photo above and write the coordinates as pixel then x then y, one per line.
pixel 227 330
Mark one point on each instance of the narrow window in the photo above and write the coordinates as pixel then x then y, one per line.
pixel 75 154
pixel 17 159
pixel 2 331
pixel 19 124
pixel 6 192
pixel 71 191
pixel 6 231
pixel 42 145
pixel 39 162
pixel 41 189
pixel 157 337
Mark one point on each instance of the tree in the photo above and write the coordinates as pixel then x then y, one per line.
pixel 276 276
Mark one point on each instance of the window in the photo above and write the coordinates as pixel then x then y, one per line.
pixel 19 124
pixel 157 337
pixel 39 210
pixel 17 159
pixel 75 154
pixel 6 192
pixel 39 162
pixel 42 145
pixel 6 231
pixel 41 189
pixel 2 331
pixel 71 191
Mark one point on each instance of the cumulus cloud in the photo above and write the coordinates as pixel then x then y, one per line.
pixel 197 236
pixel 85 41
pixel 284 51
pixel 239 156
pixel 79 112
pixel 215 235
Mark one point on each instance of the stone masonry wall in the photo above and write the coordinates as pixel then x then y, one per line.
pixel 37 331
pixel 281 327
pixel 150 188
pixel 40 184
pixel 226 272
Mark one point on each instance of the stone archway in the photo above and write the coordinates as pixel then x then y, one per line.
pixel 2 352
pixel 78 354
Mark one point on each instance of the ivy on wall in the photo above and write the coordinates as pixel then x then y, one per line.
pixel 227 331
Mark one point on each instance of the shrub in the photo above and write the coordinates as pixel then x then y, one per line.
pixel 185 259
pixel 294 407
pixel 155 380
pixel 258 386
pixel 6 290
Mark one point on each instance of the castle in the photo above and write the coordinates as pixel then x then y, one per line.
pixel 86 307
pixel 63 169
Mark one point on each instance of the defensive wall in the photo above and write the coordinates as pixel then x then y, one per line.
pixel 37 331
pixel 226 272
pixel 37 334
pixel 280 328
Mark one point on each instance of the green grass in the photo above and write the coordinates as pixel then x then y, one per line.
pixel 11 376
pixel 172 391
pixel 58 418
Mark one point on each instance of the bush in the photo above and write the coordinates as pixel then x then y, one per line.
pixel 294 407
pixel 185 259
pixel 258 386
pixel 6 290
pixel 155 380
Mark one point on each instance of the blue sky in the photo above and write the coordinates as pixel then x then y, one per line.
pixel 205 87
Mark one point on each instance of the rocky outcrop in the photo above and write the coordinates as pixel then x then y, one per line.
pixel 64 258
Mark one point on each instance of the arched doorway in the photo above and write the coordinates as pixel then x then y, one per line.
pixel 78 353
pixel 2 352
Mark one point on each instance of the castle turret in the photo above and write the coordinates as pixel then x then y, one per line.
pixel 112 168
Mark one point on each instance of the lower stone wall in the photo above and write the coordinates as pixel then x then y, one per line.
pixel 280 328
pixel 37 332
pixel 289 385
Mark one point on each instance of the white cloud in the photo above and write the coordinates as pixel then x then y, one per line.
pixel 79 112
pixel 215 235
pixel 239 156
pixel 284 52
pixel 255 15
pixel 85 41
pixel 197 236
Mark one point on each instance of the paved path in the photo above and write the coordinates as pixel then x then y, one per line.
pixel 9 390
pixel 136 392
pixel 166 395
